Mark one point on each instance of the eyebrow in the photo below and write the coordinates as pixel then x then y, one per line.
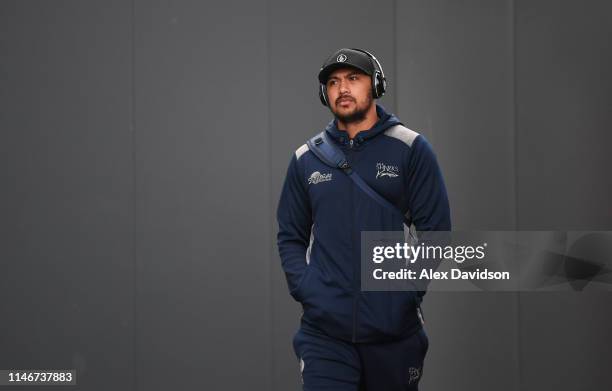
pixel 350 74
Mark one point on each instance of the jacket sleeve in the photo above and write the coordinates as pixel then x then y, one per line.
pixel 427 200
pixel 294 225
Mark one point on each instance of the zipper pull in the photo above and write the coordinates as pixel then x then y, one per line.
pixel 351 143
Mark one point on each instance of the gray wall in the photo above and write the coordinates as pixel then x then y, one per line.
pixel 456 87
pixel 144 144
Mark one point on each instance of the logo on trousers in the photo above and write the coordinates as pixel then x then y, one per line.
pixel 414 373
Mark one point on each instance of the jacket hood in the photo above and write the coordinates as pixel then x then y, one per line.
pixel 385 121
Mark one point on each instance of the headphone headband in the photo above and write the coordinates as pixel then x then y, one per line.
pixel 374 60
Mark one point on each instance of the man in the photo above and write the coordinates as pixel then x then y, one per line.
pixel 349 339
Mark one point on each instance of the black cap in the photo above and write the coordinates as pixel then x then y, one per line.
pixel 346 57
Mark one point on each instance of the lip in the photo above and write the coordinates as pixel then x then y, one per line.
pixel 344 100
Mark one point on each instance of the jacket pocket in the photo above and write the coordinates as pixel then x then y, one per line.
pixel 298 292
pixel 327 305
pixel 403 312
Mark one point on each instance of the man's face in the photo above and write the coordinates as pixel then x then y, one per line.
pixel 349 93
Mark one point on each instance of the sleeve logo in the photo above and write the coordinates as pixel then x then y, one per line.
pixel 317 177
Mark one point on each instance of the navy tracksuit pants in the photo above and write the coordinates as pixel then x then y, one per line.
pixel 328 364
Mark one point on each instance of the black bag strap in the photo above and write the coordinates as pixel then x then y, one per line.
pixel 324 149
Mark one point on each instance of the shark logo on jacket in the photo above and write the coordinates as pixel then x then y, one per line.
pixel 317 177
pixel 383 169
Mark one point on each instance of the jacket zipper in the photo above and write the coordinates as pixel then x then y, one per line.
pixel 355 290
pixel 354 268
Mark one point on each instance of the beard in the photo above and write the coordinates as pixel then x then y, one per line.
pixel 358 114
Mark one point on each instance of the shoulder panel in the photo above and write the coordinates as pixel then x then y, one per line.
pixel 300 151
pixel 402 133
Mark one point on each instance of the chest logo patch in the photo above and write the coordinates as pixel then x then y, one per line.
pixel 317 177
pixel 389 170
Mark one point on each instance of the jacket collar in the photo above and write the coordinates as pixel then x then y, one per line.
pixel 385 121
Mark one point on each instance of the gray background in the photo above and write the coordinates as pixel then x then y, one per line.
pixel 143 146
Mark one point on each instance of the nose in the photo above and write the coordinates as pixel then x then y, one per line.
pixel 343 87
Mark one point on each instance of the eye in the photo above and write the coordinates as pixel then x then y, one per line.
pixel 353 77
pixel 331 82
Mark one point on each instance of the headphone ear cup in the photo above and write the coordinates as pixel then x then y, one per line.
pixel 375 85
pixel 380 85
pixel 323 94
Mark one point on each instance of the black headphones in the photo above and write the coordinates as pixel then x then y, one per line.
pixel 379 82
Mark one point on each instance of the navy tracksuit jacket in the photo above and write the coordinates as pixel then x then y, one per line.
pixel 321 214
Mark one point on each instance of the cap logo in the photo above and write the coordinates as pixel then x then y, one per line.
pixel 341 58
